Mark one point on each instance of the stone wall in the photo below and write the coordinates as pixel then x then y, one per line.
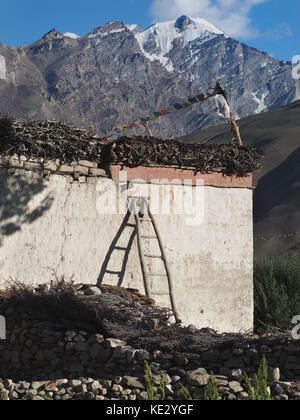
pixel 52 225
pixel 61 361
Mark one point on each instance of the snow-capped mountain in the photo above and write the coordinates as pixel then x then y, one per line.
pixel 121 72
pixel 158 41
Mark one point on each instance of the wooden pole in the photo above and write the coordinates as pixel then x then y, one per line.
pixel 236 130
pixel 168 271
pixel 148 129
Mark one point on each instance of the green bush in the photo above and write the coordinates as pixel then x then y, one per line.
pixel 211 390
pixel 276 291
pixel 259 391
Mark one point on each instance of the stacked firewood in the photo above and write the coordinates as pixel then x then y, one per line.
pixel 49 140
pixel 230 159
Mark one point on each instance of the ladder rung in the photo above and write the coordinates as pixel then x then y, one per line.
pixel 157 275
pixel 153 256
pixel 148 197
pixel 130 225
pixel 160 294
pixel 149 237
pixel 121 248
pixel 113 272
pixel 145 220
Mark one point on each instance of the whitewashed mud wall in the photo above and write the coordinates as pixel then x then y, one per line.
pixel 51 225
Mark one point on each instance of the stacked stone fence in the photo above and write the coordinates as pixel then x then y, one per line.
pixel 81 171
pixel 55 359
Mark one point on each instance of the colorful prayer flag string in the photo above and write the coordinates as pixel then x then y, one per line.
pixel 176 107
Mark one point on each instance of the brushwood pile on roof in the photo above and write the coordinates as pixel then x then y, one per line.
pixel 49 140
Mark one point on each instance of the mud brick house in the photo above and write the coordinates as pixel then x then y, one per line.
pixel 75 205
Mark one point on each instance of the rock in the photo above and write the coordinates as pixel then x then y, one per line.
pixel 51 387
pixel 296 396
pixel 90 396
pixel 157 379
pixel 92 291
pixel 121 352
pixel 38 398
pixel 221 381
pixel 235 386
pixel 112 343
pixel 237 374
pixel 66 397
pixel 126 392
pixel 154 366
pixel 130 354
pixel 95 387
pixel 99 338
pixel 198 377
pixel 175 379
pixel 133 382
pixel 273 374
pixel 143 355
pixel 117 388
pixel 8 383
pixel 13 395
pixel 192 329
pixel 80 396
pixel 277 390
pixel 243 395
pixel 106 383
pixel 282 397
pixel 74 383
pixel 25 385
pixel 82 388
pixel 37 385
pixel 143 395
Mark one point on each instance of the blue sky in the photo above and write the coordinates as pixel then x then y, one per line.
pixel 269 25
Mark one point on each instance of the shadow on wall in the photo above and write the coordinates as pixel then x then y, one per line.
pixel 113 248
pixel 16 208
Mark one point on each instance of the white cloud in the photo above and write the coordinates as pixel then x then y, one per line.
pixel 232 16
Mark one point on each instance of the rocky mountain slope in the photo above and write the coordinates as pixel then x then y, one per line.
pixel 277 194
pixel 119 73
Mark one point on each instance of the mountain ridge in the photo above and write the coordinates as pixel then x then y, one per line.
pixel 118 73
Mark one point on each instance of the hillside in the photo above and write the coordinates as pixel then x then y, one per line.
pixel 277 194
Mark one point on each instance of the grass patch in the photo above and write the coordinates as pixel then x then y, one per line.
pixel 276 292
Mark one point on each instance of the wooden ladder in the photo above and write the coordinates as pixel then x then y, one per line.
pixel 142 214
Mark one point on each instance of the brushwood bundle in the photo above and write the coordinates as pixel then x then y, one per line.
pixel 230 159
pixel 49 140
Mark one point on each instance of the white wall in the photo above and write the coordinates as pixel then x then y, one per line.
pixel 60 229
